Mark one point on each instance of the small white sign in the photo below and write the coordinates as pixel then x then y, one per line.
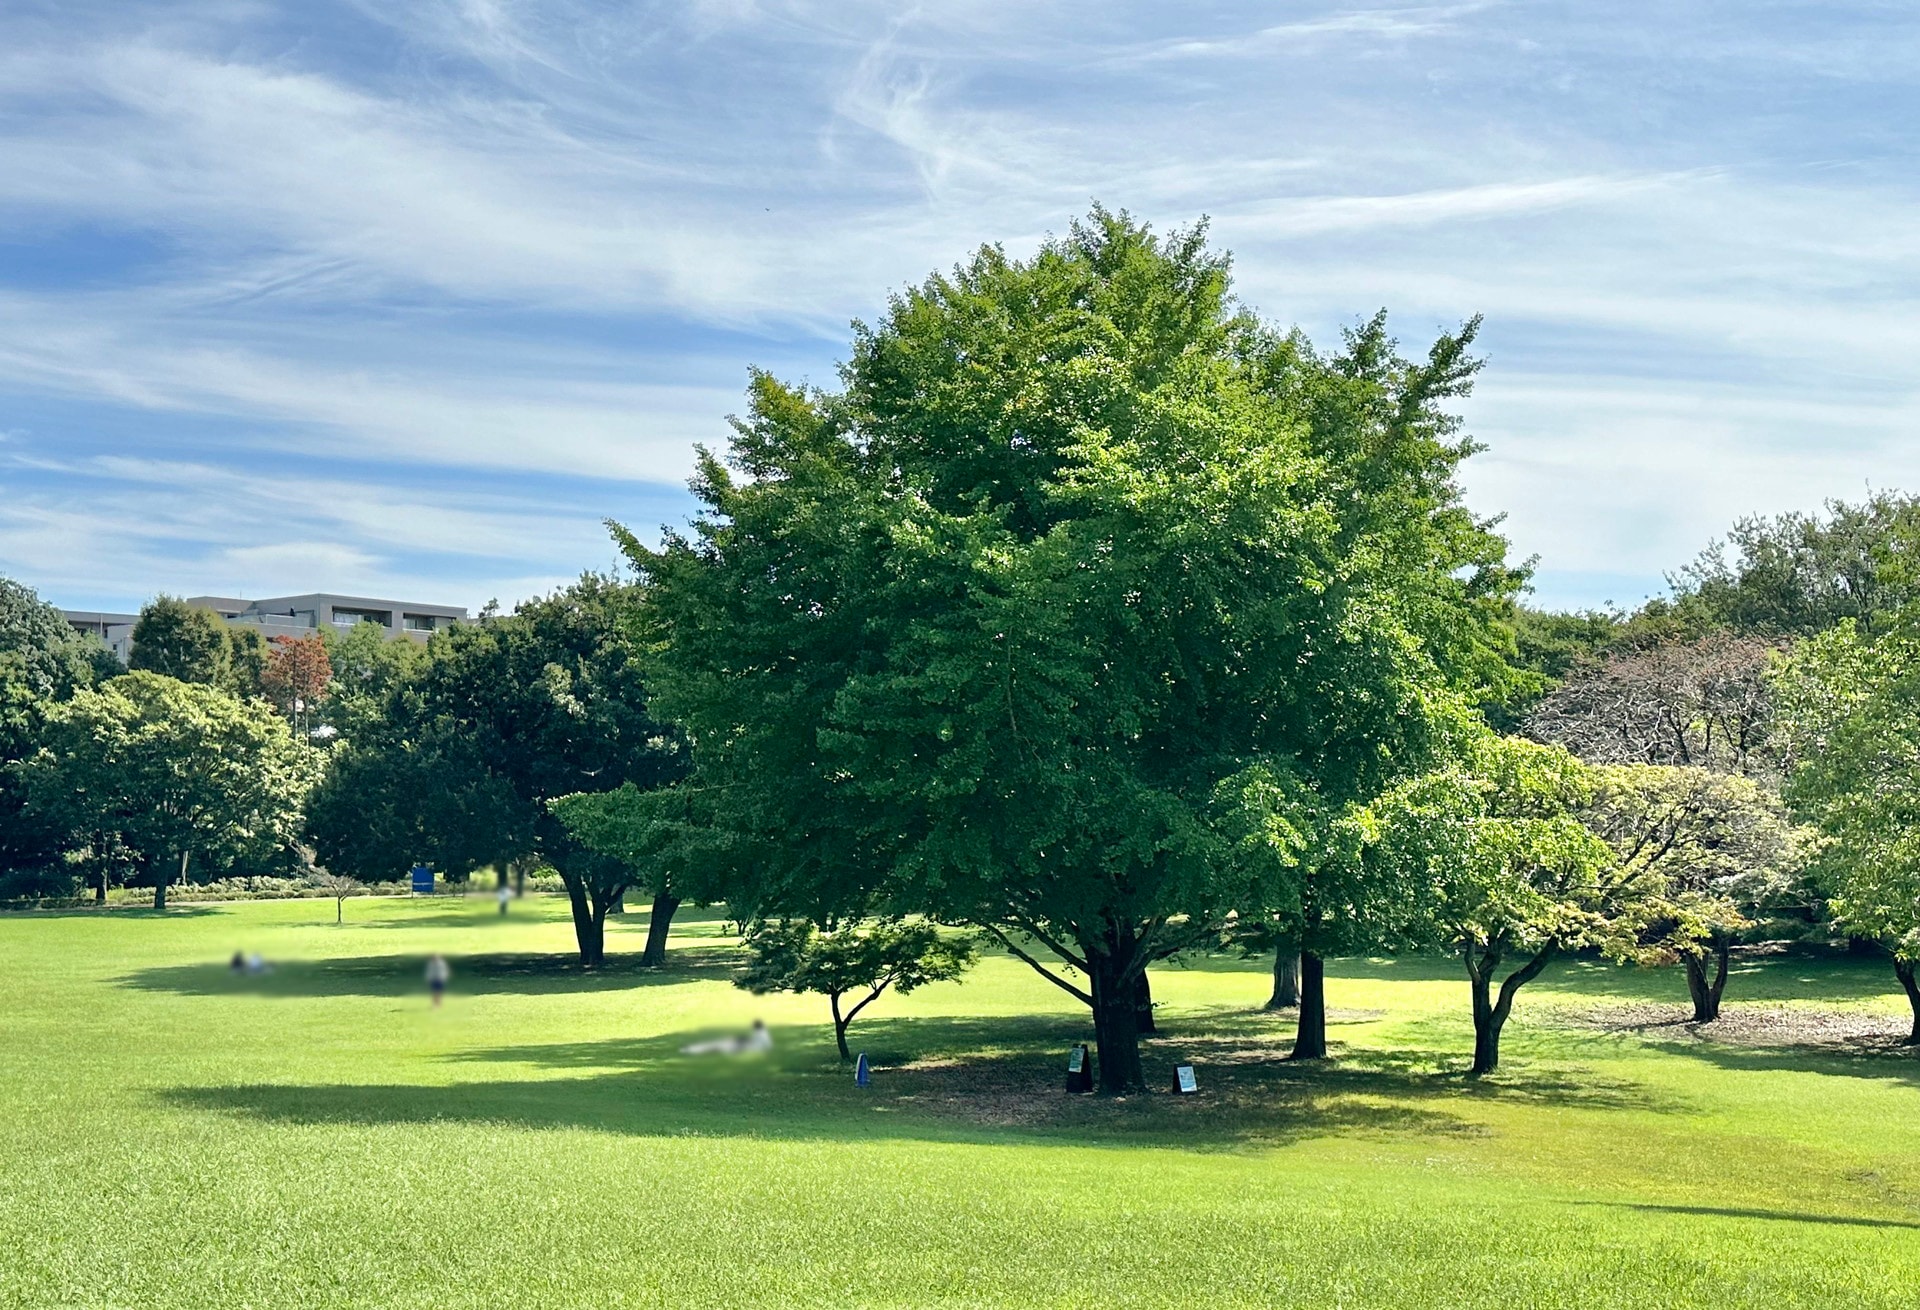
pixel 1184 1079
pixel 1078 1060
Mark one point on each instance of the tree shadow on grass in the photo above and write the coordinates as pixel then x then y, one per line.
pixel 118 913
pixel 401 975
pixel 1734 1212
pixel 946 1079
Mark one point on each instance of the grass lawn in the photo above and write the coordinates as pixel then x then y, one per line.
pixel 176 1136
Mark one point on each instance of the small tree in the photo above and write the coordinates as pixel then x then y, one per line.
pixel 849 960
pixel 1720 845
pixel 1510 871
pixel 296 678
pixel 337 885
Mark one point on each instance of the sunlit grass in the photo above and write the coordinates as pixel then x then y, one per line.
pixel 319 1136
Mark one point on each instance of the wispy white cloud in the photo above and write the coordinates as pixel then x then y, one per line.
pixel 492 236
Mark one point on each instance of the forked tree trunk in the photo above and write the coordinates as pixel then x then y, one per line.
pixel 1310 1039
pixel 840 1021
pixel 1286 977
pixel 1905 970
pixel 1116 1024
pixel 1143 1005
pixel 658 922
pixel 1705 988
pixel 1490 1012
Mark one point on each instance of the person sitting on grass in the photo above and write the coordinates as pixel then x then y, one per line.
pixel 756 1041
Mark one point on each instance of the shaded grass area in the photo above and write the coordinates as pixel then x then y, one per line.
pixel 182 1136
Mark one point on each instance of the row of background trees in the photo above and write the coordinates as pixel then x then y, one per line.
pixel 1092 614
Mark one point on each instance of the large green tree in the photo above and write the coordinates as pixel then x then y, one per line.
pixel 172 770
pixel 987 634
pixel 502 717
pixel 1850 712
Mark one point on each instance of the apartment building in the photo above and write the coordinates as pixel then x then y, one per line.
pixel 288 616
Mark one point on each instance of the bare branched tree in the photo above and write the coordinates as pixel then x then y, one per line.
pixel 1703 703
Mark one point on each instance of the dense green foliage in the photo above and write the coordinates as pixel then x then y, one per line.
pixel 859 960
pixel 989 634
pixel 165 770
pixel 458 763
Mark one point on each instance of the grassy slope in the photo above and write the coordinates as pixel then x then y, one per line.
pixel 176 1137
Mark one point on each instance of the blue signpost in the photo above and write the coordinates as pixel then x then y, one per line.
pixel 862 1075
pixel 422 880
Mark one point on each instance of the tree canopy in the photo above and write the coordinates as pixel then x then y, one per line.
pixel 984 634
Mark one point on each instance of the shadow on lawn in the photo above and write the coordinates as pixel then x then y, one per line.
pixel 934 1080
pixel 400 975
pixel 1735 1212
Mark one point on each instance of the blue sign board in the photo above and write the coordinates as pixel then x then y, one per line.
pixel 862 1075
pixel 422 880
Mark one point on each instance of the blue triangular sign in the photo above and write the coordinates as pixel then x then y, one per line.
pixel 862 1075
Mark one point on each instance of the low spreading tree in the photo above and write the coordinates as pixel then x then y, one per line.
pixel 981 636
pixel 1721 849
pixel 1508 872
pixel 1851 711
pixel 855 960
pixel 663 846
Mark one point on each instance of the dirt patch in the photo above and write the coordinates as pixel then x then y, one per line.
pixel 1842 1031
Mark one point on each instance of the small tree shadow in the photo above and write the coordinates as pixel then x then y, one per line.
pixel 401 975
pixel 1735 1212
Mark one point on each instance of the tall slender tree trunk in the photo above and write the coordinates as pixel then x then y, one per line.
pixel 658 922
pixel 1310 1039
pixel 1116 1024
pixel 1286 977
pixel 1905 970
pixel 100 892
pixel 1143 1005
pixel 1490 1012
pixel 1705 988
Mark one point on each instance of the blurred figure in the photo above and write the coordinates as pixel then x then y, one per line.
pixel 505 894
pixel 257 963
pixel 756 1041
pixel 238 963
pixel 437 975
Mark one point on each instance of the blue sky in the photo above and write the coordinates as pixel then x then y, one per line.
pixel 406 298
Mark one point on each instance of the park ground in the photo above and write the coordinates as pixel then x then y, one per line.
pixel 177 1135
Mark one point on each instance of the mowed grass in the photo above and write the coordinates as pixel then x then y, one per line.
pixel 319 1137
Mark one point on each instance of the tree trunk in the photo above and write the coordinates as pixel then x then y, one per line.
pixel 1904 970
pixel 1143 1005
pixel 1706 990
pixel 840 1023
pixel 588 924
pixel 1286 977
pixel 1490 1012
pixel 619 904
pixel 160 892
pixel 519 877
pixel 501 871
pixel 100 892
pixel 1116 1024
pixel 658 922
pixel 1310 1039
